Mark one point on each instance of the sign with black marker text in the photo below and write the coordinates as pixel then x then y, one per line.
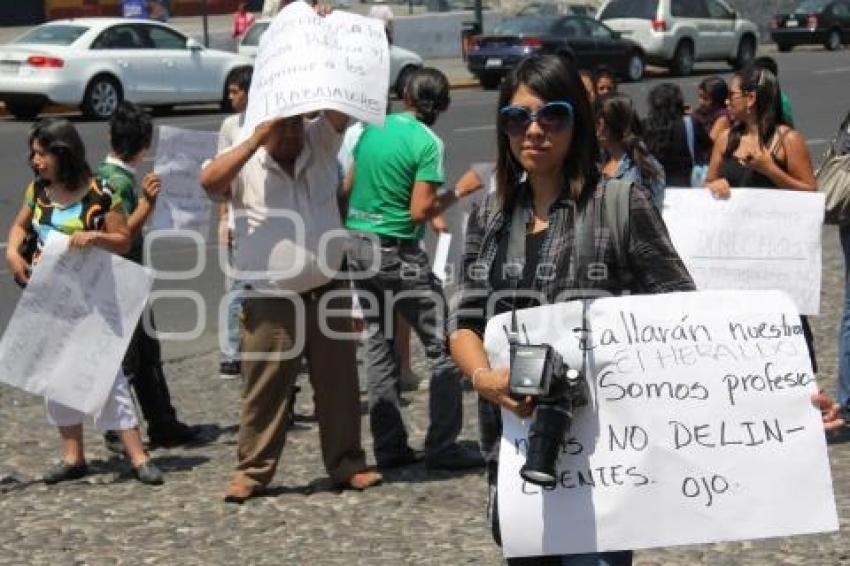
pixel 307 63
pixel 758 239
pixel 699 427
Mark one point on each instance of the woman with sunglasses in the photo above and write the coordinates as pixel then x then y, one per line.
pixel 759 150
pixel 66 198
pixel 547 172
pixel 624 153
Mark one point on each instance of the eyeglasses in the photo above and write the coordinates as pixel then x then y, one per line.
pixel 734 93
pixel 551 117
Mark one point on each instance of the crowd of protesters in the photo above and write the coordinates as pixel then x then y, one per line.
pixel 740 132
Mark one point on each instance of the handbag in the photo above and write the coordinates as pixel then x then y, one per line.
pixel 698 171
pixel 833 176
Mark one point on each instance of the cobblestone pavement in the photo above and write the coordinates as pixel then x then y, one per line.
pixel 415 517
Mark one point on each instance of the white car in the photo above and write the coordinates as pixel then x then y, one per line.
pixel 676 33
pixel 94 63
pixel 402 62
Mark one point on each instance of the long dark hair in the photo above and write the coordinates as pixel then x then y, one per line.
pixel 716 90
pixel 551 78
pixel 666 108
pixel 623 124
pixel 768 107
pixel 427 92
pixel 59 138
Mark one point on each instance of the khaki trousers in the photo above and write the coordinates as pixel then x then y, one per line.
pixel 269 326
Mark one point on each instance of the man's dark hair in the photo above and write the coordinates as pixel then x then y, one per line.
pixel 130 131
pixel 241 78
pixel 766 62
pixel 59 138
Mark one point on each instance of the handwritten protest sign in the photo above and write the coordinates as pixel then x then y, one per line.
pixel 307 63
pixel 72 325
pixel 182 203
pixel 756 239
pixel 699 429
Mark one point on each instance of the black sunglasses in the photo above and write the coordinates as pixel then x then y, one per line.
pixel 551 117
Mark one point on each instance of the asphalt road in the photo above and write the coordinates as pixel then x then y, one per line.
pixel 815 80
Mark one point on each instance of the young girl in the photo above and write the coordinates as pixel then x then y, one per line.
pixel 66 198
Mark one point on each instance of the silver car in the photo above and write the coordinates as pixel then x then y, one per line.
pixel 403 63
pixel 677 33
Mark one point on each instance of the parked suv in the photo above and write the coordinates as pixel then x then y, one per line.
pixel 676 33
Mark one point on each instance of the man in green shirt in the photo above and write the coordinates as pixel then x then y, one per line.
pixel 130 134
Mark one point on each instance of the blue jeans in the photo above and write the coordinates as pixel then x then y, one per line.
pixel 843 392
pixel 230 353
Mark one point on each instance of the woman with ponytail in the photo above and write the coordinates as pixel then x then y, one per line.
pixel 624 153
pixel 395 177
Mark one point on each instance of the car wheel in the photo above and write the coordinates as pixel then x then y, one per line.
pixel 833 40
pixel 24 111
pixel 683 59
pixel 784 47
pixel 746 52
pixel 490 81
pixel 102 97
pixel 402 80
pixel 635 68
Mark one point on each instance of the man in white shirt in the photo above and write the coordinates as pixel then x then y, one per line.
pixel 283 182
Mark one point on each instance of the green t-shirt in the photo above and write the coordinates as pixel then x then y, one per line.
pixel 122 181
pixel 387 162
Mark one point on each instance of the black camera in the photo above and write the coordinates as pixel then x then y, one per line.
pixel 537 370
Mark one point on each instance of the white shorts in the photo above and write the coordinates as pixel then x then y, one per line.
pixel 118 413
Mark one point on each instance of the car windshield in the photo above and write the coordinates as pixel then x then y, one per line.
pixel 252 38
pixel 811 6
pixel 640 9
pixel 523 26
pixel 53 34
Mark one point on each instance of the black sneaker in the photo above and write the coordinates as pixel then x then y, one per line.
pixel 173 434
pixel 457 457
pixel 148 473
pixel 113 442
pixel 230 370
pixel 65 472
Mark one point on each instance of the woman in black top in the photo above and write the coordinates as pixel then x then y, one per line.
pixel 758 151
pixel 547 172
pixel 665 134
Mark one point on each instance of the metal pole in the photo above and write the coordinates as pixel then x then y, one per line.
pixel 479 15
pixel 410 7
pixel 205 13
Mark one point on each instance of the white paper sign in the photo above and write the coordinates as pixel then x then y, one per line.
pixel 700 427
pixel 72 325
pixel 756 239
pixel 182 202
pixel 441 255
pixel 306 63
